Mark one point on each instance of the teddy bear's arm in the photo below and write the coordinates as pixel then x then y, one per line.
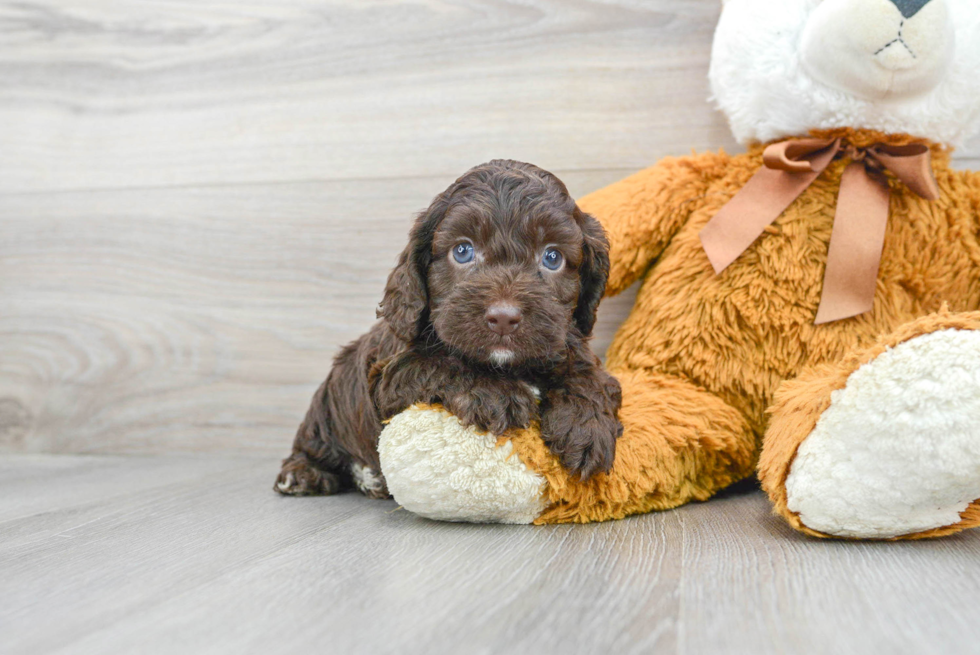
pixel 644 211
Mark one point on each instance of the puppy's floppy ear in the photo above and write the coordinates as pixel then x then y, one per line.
pixel 593 272
pixel 405 307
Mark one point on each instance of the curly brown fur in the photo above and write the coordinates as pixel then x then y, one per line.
pixel 476 316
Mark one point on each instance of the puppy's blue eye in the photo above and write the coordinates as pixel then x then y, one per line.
pixel 463 253
pixel 552 259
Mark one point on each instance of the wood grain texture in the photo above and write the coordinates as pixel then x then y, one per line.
pixel 98 95
pixel 194 320
pixel 200 200
pixel 196 555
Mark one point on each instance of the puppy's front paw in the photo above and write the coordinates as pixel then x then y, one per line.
pixel 494 406
pixel 581 434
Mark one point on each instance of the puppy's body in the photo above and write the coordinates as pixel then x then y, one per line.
pixel 487 312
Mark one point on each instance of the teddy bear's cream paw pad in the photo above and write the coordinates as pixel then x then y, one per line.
pixel 439 469
pixel 898 450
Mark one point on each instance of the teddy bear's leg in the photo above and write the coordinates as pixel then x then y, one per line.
pixel 440 469
pixel 679 443
pixel 886 443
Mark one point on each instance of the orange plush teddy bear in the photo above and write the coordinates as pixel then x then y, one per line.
pixel 808 309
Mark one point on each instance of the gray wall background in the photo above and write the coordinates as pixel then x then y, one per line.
pixel 200 200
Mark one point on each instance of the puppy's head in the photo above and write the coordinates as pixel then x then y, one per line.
pixel 503 267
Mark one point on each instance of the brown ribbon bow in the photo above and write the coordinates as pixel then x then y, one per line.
pixel 859 224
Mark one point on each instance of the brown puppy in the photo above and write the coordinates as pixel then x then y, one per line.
pixel 489 309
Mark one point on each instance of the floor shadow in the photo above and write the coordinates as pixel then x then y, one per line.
pixel 740 488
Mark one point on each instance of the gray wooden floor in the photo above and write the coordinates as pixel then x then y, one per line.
pixel 192 554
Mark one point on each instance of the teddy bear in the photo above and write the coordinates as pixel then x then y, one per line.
pixel 808 310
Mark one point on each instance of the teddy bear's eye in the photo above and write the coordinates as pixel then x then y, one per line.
pixel 463 253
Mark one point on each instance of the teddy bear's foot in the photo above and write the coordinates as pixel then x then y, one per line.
pixel 439 469
pixel 885 444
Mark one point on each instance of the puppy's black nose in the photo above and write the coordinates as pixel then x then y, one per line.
pixel 503 319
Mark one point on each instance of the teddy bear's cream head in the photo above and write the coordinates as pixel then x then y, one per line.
pixel 781 68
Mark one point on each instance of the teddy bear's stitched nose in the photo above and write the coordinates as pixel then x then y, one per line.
pixel 910 8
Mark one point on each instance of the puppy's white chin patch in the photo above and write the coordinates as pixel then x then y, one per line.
pixel 501 356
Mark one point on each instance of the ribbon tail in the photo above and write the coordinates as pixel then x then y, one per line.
pixel 912 164
pixel 856 245
pixel 740 222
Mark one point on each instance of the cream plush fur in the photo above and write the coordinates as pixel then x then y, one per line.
pixel 440 470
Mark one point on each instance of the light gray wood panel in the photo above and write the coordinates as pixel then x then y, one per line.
pixel 98 94
pixel 199 201
pixel 103 95
pixel 217 563
pixel 197 319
